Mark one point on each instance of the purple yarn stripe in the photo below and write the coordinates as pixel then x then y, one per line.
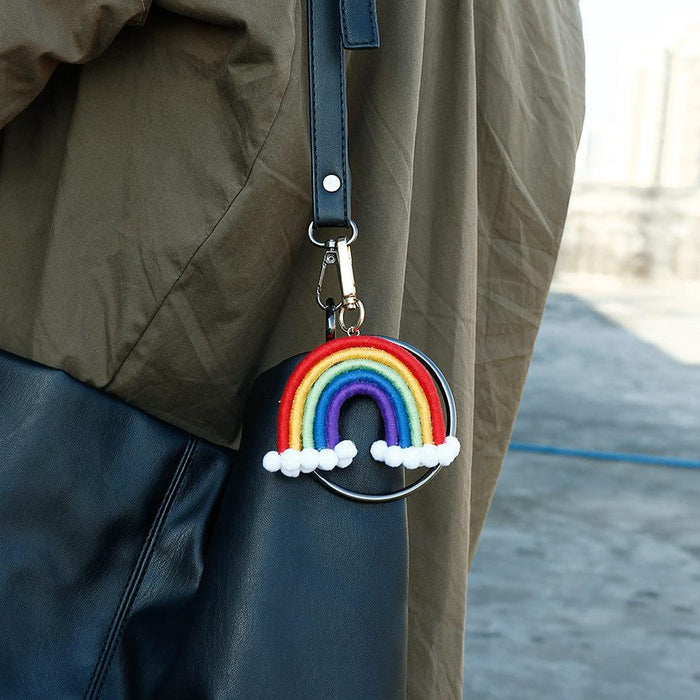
pixel 386 408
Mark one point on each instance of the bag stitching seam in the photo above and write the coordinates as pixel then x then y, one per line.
pixel 123 608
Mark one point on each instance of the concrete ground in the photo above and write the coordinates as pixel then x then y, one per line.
pixel 586 584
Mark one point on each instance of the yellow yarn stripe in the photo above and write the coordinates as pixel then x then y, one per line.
pixel 297 412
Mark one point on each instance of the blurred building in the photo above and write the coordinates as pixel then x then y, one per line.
pixel 635 209
pixel 651 134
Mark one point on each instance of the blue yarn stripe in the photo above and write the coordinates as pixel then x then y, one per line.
pixel 362 375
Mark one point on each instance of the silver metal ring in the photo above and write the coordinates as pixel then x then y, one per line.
pixel 451 429
pixel 322 244
pixel 360 308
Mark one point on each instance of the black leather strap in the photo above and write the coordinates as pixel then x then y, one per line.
pixel 333 25
pixel 358 21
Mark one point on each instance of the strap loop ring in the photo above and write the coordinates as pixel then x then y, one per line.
pixel 322 244
pixel 353 329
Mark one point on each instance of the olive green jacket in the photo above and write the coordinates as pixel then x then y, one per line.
pixel 154 199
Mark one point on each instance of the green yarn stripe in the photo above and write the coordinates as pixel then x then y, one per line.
pixel 312 399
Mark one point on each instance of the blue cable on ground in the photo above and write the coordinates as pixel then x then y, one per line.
pixel 606 456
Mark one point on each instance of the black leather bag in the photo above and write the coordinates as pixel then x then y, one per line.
pixel 138 561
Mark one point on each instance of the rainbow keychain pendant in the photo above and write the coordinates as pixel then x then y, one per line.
pixel 418 429
pixel 309 415
pixel 406 385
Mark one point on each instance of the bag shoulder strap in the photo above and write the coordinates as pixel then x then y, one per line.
pixel 333 25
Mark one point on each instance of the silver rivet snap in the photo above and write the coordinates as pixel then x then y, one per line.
pixel 331 183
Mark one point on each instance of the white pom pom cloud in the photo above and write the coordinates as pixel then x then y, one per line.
pixel 292 462
pixel 413 457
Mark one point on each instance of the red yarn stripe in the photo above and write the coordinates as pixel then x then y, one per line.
pixel 317 354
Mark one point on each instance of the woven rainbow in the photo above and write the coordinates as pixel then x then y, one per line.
pixel 309 414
